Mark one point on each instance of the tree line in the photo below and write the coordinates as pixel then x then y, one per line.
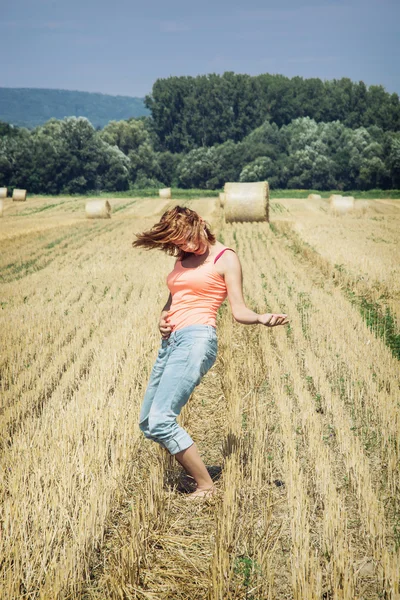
pixel 238 137
pixel 189 112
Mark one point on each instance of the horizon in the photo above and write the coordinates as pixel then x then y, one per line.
pixel 121 50
pixel 198 75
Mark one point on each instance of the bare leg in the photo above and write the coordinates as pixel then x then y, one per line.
pixel 190 460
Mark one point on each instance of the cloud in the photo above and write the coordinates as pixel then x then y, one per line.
pixel 173 27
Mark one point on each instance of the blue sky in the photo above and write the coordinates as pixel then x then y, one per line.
pixel 123 46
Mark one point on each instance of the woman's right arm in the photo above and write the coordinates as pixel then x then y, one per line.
pixel 234 284
pixel 163 326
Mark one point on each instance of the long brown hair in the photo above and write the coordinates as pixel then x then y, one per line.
pixel 176 225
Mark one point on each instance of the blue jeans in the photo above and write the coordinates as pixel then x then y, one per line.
pixel 182 361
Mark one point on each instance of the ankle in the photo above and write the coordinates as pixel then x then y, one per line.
pixel 205 487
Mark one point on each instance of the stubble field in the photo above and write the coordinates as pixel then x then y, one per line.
pixel 299 426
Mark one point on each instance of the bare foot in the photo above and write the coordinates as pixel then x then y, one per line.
pixel 202 493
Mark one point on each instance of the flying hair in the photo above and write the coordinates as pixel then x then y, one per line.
pixel 177 225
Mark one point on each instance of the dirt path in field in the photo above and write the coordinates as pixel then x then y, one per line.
pixel 240 538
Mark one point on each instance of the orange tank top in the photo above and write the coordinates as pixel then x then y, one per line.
pixel 197 293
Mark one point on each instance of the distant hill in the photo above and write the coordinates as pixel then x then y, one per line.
pixel 29 107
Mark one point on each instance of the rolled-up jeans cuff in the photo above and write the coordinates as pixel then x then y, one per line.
pixel 180 442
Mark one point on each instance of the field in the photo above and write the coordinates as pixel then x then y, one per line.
pixel 299 426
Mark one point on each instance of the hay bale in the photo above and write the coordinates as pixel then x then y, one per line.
pixel 314 197
pixel 1 206
pixel 246 201
pixel 19 195
pixel 3 192
pixel 165 193
pixel 340 205
pixel 98 209
pixel 222 198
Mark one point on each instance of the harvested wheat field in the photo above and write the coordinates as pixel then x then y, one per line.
pixel 299 426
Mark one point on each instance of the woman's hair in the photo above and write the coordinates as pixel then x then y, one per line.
pixel 176 225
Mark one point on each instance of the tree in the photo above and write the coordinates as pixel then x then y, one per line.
pixel 16 159
pixel 127 135
pixel 393 159
pixel 261 169
pixel 373 174
pixel 197 169
pixel 167 167
pixel 114 169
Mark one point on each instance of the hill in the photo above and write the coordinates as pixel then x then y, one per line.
pixel 29 107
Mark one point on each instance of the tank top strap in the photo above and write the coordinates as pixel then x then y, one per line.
pixel 221 253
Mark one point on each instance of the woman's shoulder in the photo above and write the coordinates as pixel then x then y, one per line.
pixel 226 261
pixel 219 248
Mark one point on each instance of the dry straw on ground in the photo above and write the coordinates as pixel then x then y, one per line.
pixel 165 193
pixel 19 195
pixel 367 259
pixel 246 201
pixel 340 205
pixel 314 197
pixel 222 197
pixel 1 207
pixel 361 206
pixel 297 425
pixel 3 192
pixel 98 209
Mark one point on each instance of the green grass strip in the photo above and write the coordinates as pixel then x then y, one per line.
pixel 358 194
pixel 379 320
pixel 178 194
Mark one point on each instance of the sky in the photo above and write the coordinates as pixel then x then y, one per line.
pixel 121 47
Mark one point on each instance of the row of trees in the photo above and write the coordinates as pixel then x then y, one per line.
pixel 70 156
pixel 206 130
pixel 303 154
pixel 190 112
pixel 61 156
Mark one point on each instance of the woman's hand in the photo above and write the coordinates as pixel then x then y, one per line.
pixel 164 327
pixel 271 320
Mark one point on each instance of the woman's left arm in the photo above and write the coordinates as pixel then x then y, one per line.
pixel 234 284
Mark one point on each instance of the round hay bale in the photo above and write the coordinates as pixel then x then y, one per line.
pixel 314 197
pixel 98 209
pixel 246 201
pixel 222 198
pixel 165 193
pixel 19 195
pixel 1 207
pixel 340 205
pixel 3 192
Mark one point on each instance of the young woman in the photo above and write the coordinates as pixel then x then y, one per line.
pixel 205 273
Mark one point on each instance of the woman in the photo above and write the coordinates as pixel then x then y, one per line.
pixel 205 273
